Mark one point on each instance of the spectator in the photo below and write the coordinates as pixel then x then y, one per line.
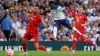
pixel 41 27
pixel 94 35
pixel 64 38
pixel 2 37
pixel 98 16
pixel 58 38
pixel 90 9
pixel 95 27
pixel 99 29
pixel 25 19
pixel 94 13
pixel 71 10
pixel 68 39
pixel 18 22
pixel 43 36
pixel 99 38
pixel 6 26
pixel 88 30
pixel 6 4
pixel 14 26
pixel 85 2
pixel 21 32
pixel 90 17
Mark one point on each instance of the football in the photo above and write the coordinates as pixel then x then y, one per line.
pixel 10 52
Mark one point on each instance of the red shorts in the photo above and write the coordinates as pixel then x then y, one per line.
pixel 28 36
pixel 79 37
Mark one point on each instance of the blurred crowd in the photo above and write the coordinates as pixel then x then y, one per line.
pixel 14 17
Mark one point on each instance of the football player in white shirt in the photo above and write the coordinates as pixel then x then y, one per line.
pixel 60 18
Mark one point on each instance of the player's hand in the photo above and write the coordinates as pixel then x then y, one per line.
pixel 85 24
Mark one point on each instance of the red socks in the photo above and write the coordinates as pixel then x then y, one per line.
pixel 88 41
pixel 43 48
pixel 24 47
pixel 74 45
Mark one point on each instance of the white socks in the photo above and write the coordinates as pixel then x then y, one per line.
pixel 76 30
pixel 25 53
pixel 73 50
pixel 93 42
pixel 55 31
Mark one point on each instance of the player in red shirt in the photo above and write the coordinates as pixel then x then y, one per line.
pixel 32 31
pixel 80 23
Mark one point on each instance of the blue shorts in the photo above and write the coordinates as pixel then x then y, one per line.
pixel 64 22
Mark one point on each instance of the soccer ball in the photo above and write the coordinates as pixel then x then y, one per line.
pixel 10 52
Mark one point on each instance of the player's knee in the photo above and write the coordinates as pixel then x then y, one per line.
pixel 24 40
pixel 70 27
pixel 75 39
pixel 85 40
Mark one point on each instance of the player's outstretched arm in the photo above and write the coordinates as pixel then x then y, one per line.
pixel 86 23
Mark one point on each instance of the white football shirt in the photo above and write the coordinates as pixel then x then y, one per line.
pixel 58 14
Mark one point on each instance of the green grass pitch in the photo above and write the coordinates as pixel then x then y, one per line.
pixel 55 53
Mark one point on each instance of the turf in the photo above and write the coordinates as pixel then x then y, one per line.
pixel 55 53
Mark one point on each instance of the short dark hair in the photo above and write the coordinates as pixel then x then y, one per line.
pixel 54 2
pixel 51 2
pixel 37 6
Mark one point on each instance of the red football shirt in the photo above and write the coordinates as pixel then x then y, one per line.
pixel 79 20
pixel 35 21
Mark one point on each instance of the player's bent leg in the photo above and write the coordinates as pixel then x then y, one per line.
pixel 37 46
pixel 87 41
pixel 43 48
pixel 40 47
